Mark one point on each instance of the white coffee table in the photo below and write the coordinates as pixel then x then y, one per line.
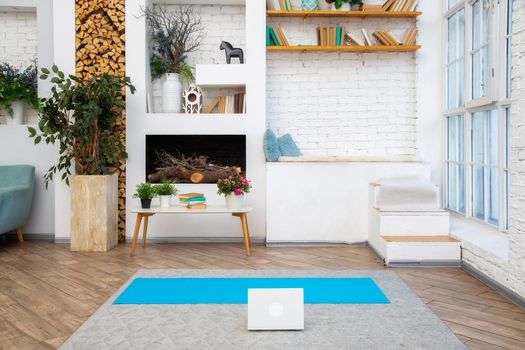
pixel 146 213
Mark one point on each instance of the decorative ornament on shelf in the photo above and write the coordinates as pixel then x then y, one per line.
pixel 309 5
pixel 174 34
pixel 232 52
pixel 233 188
pixel 192 99
pixel 345 5
pixel 297 5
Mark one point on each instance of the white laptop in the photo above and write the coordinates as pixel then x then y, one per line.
pixel 275 309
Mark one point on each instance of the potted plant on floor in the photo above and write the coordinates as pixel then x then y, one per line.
pixel 17 88
pixel 165 191
pixel 145 192
pixel 233 188
pixel 174 34
pixel 81 115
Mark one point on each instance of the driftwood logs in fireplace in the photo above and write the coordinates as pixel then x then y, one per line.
pixel 195 169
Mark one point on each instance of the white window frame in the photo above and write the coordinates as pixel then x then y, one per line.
pixel 496 99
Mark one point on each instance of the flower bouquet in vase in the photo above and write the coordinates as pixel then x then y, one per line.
pixel 233 188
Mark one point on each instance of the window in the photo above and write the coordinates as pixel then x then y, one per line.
pixel 477 108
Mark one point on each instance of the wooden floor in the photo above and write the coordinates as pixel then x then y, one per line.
pixel 46 291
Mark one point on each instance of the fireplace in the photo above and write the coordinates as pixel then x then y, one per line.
pixel 194 158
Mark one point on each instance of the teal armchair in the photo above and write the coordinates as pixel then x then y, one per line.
pixel 16 195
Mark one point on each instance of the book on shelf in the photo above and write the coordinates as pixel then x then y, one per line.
pixel 352 39
pixel 276 37
pixel 372 8
pixel 367 38
pixel 330 36
pixel 273 5
pixel 410 36
pixel 231 104
pixel 400 5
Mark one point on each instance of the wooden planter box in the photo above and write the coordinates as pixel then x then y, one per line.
pixel 94 213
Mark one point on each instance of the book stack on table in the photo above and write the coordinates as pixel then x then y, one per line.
pixel 193 200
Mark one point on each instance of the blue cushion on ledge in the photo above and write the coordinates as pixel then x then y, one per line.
pixel 271 146
pixel 288 147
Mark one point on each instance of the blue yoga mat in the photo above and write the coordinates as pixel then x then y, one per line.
pixel 235 290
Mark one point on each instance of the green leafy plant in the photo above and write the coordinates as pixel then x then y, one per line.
pixel 145 190
pixel 339 3
pixel 165 189
pixel 174 34
pixel 81 116
pixel 235 184
pixel 18 84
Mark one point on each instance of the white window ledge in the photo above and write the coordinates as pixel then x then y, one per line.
pixel 482 236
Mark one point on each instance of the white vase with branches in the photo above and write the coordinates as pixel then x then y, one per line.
pixel 174 34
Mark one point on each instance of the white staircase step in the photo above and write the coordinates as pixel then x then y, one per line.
pixel 427 223
pixel 421 250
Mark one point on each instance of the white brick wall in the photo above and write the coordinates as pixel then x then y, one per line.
pixel 226 23
pixel 511 272
pixel 337 104
pixel 18 45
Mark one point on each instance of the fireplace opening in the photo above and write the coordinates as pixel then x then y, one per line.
pixel 194 158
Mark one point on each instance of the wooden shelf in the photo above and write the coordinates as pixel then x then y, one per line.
pixel 372 48
pixel 359 14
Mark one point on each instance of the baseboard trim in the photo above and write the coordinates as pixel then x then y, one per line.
pixel 506 292
pixel 311 243
pixel 31 236
pixel 198 240
pixel 424 263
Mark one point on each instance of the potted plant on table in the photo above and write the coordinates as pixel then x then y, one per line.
pixel 165 191
pixel 233 188
pixel 17 88
pixel 174 34
pixel 81 116
pixel 145 192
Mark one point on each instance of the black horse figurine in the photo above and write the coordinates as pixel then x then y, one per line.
pixel 232 52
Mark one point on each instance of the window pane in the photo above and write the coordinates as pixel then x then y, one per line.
pixel 507 136
pixel 452 86
pixel 461 188
pixel 485 23
pixel 476 74
pixel 478 137
pixel 509 47
pixel 461 138
pixel 476 24
pixel 452 186
pixel 493 141
pixel 478 210
pixel 493 216
pixel 452 138
pixel 461 82
pixel 485 71
pixel 451 3
pixel 452 38
pixel 506 199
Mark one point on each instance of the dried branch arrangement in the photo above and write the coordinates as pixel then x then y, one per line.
pixel 192 169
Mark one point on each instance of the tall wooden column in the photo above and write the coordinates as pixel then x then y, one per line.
pixel 100 48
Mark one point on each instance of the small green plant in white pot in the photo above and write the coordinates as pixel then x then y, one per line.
pixel 165 191
pixel 145 192
pixel 234 188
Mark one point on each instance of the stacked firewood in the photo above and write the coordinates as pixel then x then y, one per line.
pixel 100 48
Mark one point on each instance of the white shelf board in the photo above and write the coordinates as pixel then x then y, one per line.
pixel 196 116
pixel 204 124
pixel 221 75
pixel 201 2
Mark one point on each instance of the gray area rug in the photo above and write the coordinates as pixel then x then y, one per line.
pixel 406 323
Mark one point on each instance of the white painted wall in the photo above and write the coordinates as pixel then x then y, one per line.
pixel 64 57
pixel 139 124
pixel 326 202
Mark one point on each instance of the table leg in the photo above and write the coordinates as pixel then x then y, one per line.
pixel 145 230
pixel 245 232
pixel 20 235
pixel 138 221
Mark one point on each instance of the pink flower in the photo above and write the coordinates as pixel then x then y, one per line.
pixel 237 191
